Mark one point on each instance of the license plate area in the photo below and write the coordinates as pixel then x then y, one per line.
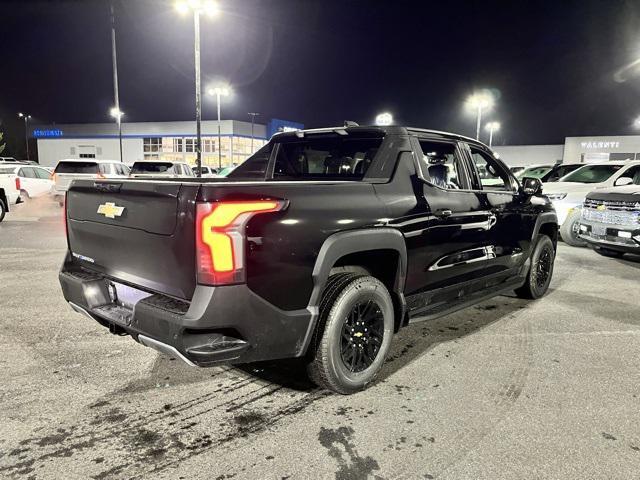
pixel 599 230
pixel 126 296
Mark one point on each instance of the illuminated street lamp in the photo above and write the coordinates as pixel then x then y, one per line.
pixel 479 102
pixel 116 113
pixel 384 119
pixel 219 91
pixel 492 127
pixel 636 123
pixel 26 130
pixel 198 7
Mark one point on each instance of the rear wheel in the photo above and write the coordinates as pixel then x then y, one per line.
pixel 607 252
pixel 540 270
pixel 570 229
pixel 354 333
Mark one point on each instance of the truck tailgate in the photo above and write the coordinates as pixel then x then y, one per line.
pixel 137 232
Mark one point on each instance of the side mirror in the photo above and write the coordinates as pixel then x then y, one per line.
pixel 531 186
pixel 622 181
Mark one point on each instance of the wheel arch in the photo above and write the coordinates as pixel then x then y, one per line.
pixel 359 248
pixel 4 200
pixel 547 224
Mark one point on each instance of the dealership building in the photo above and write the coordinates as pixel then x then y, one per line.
pixel 574 150
pixel 155 141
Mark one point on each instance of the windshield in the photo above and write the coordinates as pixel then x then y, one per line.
pixel 77 167
pixel 534 172
pixel 592 174
pixel 151 167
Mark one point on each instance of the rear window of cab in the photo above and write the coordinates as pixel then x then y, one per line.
pixel 77 167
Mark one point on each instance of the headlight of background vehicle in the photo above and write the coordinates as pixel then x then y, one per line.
pixel 557 196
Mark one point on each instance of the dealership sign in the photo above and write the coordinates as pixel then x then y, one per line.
pixel 276 125
pixel 592 145
pixel 47 133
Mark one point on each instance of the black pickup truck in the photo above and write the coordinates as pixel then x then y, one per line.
pixel 320 246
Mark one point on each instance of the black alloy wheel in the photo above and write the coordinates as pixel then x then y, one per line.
pixel 362 335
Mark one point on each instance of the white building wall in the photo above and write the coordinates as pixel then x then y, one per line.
pixel 51 151
pixel 526 155
pixel 592 149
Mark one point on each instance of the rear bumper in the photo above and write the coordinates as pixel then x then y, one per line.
pixel 616 237
pixel 228 324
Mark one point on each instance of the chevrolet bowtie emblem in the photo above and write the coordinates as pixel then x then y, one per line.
pixel 601 207
pixel 110 210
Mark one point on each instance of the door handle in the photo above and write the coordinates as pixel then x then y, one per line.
pixel 444 213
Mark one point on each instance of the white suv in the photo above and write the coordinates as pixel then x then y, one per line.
pixel 569 192
pixel 69 170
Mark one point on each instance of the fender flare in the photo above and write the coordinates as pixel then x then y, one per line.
pixel 344 243
pixel 543 218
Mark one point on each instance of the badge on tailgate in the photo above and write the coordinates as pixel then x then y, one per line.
pixel 110 210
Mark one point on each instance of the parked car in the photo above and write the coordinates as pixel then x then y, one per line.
pixel 535 171
pixel 225 171
pixel 610 221
pixel 516 170
pixel 207 172
pixel 559 170
pixel 320 246
pixel 7 159
pixel 569 192
pixel 9 191
pixel 153 168
pixel 34 181
pixel 69 170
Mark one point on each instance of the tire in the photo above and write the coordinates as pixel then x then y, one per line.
pixel 542 260
pixel 3 209
pixel 607 252
pixel 354 308
pixel 569 230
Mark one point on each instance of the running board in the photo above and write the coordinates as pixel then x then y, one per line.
pixel 441 310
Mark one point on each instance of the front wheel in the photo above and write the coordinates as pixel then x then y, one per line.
pixel 570 229
pixel 353 335
pixel 540 270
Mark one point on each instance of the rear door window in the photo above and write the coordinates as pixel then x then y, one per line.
pixel 27 172
pixel 441 165
pixel 77 167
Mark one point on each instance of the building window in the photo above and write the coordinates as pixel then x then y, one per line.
pixel 152 144
pixel 87 155
pixel 178 145
pixel 151 156
pixel 190 144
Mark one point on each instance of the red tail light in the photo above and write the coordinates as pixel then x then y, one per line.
pixel 220 240
pixel 18 183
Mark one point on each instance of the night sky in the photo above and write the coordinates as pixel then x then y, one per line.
pixel 552 64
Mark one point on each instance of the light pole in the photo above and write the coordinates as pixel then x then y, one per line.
pixel 220 91
pixel 479 102
pixel 117 114
pixel 198 7
pixel 253 116
pixel 115 111
pixel 492 127
pixel 26 130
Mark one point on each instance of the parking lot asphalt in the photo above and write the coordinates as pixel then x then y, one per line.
pixel 506 389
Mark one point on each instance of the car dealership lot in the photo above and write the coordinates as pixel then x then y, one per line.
pixel 506 389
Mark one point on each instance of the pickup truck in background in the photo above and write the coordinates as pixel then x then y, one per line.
pixel 320 246
pixel 9 192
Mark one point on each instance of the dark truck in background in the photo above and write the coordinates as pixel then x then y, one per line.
pixel 320 246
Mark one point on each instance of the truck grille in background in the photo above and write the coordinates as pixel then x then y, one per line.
pixel 614 213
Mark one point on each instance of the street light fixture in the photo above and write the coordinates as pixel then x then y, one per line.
pixel 480 102
pixel 492 127
pixel 218 92
pixel 636 123
pixel 26 130
pixel 198 7
pixel 384 119
pixel 116 113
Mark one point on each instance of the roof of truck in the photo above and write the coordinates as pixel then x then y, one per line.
pixel 391 129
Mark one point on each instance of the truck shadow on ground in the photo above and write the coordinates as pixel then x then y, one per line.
pixel 409 344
